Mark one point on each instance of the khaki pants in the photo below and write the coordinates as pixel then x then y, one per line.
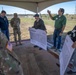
pixel 17 33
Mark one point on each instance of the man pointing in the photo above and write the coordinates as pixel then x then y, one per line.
pixel 60 23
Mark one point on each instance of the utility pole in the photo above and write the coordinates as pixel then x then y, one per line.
pixel 75 11
pixel 25 12
pixel 37 7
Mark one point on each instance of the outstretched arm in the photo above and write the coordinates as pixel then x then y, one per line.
pixel 49 12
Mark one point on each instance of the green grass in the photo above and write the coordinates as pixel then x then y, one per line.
pixel 69 25
pixel 27 22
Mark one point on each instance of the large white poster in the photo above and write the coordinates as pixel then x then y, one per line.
pixel 66 54
pixel 38 37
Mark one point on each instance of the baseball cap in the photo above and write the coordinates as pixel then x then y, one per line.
pixel 36 15
pixel 15 14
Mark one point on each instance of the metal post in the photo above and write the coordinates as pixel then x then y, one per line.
pixel 37 7
pixel 75 12
pixel 40 15
pixel 38 10
pixel 75 9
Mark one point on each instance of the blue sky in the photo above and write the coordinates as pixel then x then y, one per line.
pixel 68 6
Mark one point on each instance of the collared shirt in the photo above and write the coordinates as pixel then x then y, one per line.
pixel 60 21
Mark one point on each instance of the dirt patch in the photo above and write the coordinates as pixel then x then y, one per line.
pixel 35 61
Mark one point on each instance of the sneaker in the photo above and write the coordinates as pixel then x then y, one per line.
pixel 59 50
pixel 35 46
pixel 53 47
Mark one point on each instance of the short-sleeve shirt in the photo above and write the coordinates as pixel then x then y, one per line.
pixel 60 21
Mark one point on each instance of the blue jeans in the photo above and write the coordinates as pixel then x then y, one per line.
pixel 57 38
pixel 6 32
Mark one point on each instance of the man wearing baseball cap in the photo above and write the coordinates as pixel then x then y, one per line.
pixel 60 23
pixel 39 24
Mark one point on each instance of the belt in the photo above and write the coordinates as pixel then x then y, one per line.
pixel 57 28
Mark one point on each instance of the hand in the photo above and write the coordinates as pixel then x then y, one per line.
pixel 48 11
pixel 74 45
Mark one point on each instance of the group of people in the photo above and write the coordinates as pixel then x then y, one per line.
pixel 60 23
pixel 15 24
pixel 9 62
